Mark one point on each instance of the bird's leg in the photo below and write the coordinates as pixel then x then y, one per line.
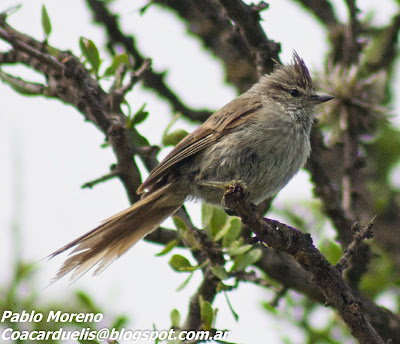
pixel 230 186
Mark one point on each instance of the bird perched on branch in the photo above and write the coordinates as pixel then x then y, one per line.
pixel 262 138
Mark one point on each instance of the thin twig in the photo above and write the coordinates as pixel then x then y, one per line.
pixel 102 179
pixel 360 235
pixel 21 46
pixel 135 77
pixel 22 86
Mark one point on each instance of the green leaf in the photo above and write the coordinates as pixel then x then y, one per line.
pixel 117 61
pixel 236 249
pixel 11 10
pixel 175 318
pixel 331 250
pixel 168 248
pixel 46 24
pixel 253 256
pixel 247 259
pixel 270 308
pixel 172 139
pixel 190 237
pixel 219 272
pixel 86 301
pixel 213 219
pixel 206 313
pixel 233 232
pixel 231 228
pixel 380 276
pixel 186 282
pixel 139 117
pixel 235 315
pixel 218 220
pixel 90 52
pixel 206 214
pixel 180 225
pixel 137 139
pixel 120 322
pixel 181 264
pixel 224 230
pixel 155 329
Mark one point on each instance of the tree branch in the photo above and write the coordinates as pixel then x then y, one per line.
pixel 292 241
pixel 247 17
pixel 322 10
pixel 205 20
pixel 150 79
pixel 361 234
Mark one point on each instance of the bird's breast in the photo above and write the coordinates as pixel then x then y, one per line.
pixel 265 158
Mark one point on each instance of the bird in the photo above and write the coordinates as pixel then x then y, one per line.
pixel 261 138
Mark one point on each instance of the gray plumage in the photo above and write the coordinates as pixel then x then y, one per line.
pixel 261 138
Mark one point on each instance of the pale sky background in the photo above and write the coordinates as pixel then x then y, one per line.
pixel 47 152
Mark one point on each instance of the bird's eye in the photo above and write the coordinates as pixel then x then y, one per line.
pixel 294 92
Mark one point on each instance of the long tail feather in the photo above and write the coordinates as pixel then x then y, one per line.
pixel 107 242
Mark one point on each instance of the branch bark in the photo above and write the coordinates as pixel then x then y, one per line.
pixel 290 240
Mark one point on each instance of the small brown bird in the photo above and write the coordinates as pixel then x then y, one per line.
pixel 261 138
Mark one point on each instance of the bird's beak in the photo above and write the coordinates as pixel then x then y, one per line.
pixel 318 99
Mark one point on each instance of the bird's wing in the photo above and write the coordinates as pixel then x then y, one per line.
pixel 219 124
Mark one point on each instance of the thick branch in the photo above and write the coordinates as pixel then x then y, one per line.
pixel 292 241
pixel 319 164
pixel 205 20
pixel 248 19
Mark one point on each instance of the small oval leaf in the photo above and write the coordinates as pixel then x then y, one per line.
pixel 140 116
pixel 207 314
pixel 174 138
pixel 247 259
pixel 181 264
pixel 180 225
pixel 239 250
pixel 90 51
pixel 233 232
pixel 175 318
pixel 219 272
